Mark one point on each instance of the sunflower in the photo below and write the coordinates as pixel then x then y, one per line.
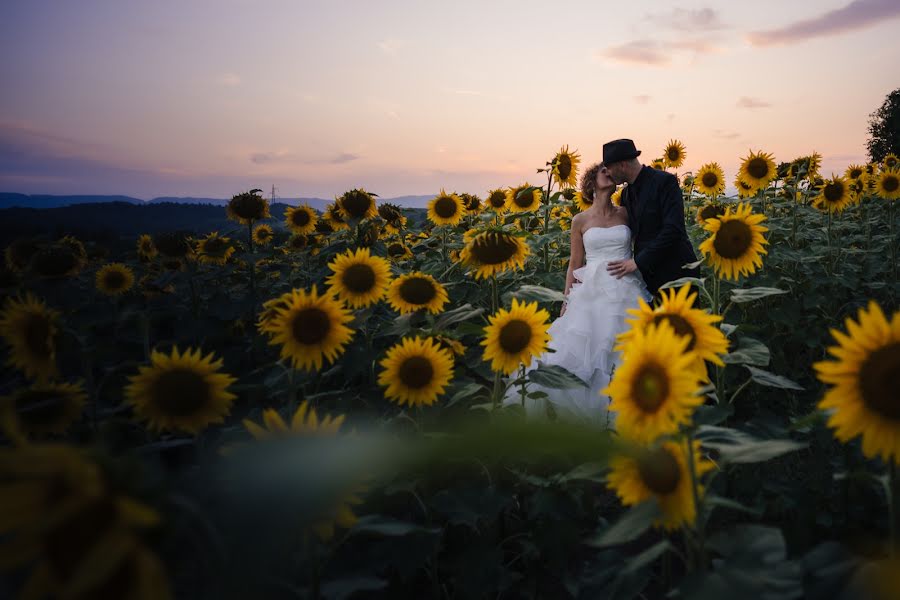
pixel 30 328
pixel 214 249
pixel 300 219
pixel 357 204
pixel 864 379
pixel 560 216
pixel 358 278
pixel 678 309
pixel 887 184
pixel 450 344
pixel 471 202
pixel 496 200
pixel 856 173
pixel 298 242
pixel 744 189
pixel 758 169
pixel 835 195
pixel 674 154
pixel 687 184
pixel 247 207
pixel 523 198
pixel 417 291
pixel 710 180
pixel 515 336
pixel 565 167
pixel 492 252
pixel 654 390
pixel 309 327
pixel 145 248
pixel 661 473
pixel 263 234
pixel 710 210
pixel 42 408
pixel 173 244
pixel 416 371
pixel 114 279
pixel 56 261
pixel 658 163
pixel 392 214
pixel 335 217
pixel 270 312
pixel 181 391
pixel 735 247
pixel 446 209
pixel 890 162
pixel 397 251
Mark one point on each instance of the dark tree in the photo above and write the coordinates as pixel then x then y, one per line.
pixel 884 128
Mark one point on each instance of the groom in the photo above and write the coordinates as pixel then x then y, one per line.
pixel 655 216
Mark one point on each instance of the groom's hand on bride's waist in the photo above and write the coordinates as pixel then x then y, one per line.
pixel 620 268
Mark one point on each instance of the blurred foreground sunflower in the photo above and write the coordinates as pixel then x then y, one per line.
pixel 654 391
pixel 417 291
pixel 446 209
pixel 661 473
pixel 492 252
pixel 114 279
pixel 358 278
pixel 513 337
pixel 182 391
pixel 415 371
pixel 863 398
pixel 41 408
pixel 300 219
pixel 735 247
pixel 30 328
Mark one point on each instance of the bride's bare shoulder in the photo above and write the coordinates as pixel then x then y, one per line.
pixel 576 222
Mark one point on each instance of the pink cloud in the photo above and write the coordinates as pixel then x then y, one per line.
pixel 859 14
pixel 748 102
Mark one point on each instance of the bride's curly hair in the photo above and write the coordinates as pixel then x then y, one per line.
pixel 589 181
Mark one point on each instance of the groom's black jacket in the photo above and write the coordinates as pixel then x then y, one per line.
pixel 656 217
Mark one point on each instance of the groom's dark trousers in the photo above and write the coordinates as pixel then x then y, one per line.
pixel 656 218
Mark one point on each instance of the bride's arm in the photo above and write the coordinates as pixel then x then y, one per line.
pixel 576 254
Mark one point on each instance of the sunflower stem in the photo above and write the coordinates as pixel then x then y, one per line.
pixel 522 377
pixel 695 491
pixel 495 295
pixel 498 387
pixel 547 220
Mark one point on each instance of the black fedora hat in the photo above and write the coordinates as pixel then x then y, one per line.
pixel 617 150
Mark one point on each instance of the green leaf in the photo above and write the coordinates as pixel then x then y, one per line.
pixel 555 377
pixel 738 447
pixel 457 315
pixel 586 472
pixel 763 377
pixel 749 351
pixel 741 295
pixel 539 293
pixel 681 281
pixel 388 527
pixel 629 527
pixel 714 501
pixel 646 558
pixel 467 391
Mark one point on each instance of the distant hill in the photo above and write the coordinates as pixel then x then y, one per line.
pixel 11 200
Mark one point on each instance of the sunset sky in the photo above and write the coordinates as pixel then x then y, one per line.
pixel 213 97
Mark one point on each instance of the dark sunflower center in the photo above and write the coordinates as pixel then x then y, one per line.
pixel 445 207
pixel 262 234
pixel 650 387
pixel 833 191
pixel 311 326
pixel 41 407
pixel 37 331
pixel 146 246
pixel 356 204
pixel 890 163
pixel 298 241
pixel 324 227
pixel 396 249
pixel 515 336
pixel 416 372
pixel 681 327
pixel 733 239
pixel 300 218
pixel 359 278
pixel 564 166
pixel 710 180
pixel 890 183
pixel 673 153
pixel 878 378
pixel 856 173
pixel 659 471
pixel 215 246
pixel 758 168
pixel 711 211
pixel 524 198
pixel 180 392
pixel 497 199
pixel 494 249
pixel 417 290
pixel 114 280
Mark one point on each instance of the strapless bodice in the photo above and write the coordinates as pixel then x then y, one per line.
pixel 603 244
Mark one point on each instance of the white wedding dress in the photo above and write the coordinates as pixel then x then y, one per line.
pixel 582 339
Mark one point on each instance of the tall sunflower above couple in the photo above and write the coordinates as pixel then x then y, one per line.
pixel 416 371
pixel 515 336
pixel 654 391
pixel 863 378
pixel 446 209
pixel 735 247
pixel 661 473
pixel 358 278
pixel 417 291
pixel 524 198
pixel 757 170
pixel 674 154
pixel 677 308
pixel 836 195
pixel 565 167
pixel 183 391
pixel 710 180
pixel 491 252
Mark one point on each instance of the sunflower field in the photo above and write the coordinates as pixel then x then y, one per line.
pixel 332 405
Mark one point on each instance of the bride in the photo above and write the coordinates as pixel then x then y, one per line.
pixel 583 336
